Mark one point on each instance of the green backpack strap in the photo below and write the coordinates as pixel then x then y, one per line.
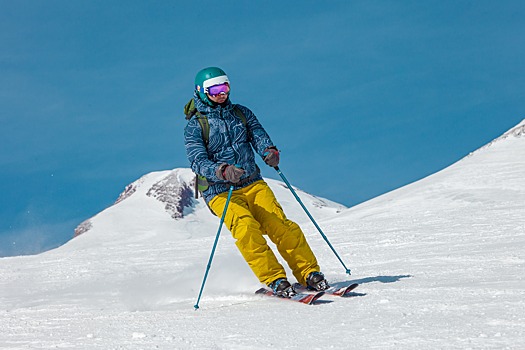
pixel 205 126
pixel 240 114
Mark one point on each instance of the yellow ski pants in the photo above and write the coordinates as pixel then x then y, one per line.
pixel 252 213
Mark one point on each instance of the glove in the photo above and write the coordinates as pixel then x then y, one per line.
pixel 229 173
pixel 271 156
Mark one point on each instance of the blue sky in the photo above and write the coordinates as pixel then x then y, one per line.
pixel 362 97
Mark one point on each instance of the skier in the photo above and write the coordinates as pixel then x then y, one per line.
pixel 227 158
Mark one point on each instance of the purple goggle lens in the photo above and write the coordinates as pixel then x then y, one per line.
pixel 219 89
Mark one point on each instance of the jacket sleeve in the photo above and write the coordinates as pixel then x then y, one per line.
pixel 197 153
pixel 259 138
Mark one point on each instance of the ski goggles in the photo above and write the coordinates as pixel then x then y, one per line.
pixel 216 90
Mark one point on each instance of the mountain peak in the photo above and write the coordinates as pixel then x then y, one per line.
pixel 175 189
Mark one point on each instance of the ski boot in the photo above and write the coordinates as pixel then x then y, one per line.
pixel 316 281
pixel 282 288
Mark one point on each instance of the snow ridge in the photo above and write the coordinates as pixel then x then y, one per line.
pixel 517 131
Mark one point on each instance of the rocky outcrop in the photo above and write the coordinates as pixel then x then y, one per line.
pixel 83 228
pixel 176 194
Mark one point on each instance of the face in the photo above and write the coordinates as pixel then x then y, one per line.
pixel 218 98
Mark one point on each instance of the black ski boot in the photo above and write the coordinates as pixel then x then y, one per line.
pixel 282 288
pixel 316 281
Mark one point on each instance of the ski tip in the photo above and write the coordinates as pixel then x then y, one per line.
pixel 261 291
pixel 348 290
pixel 316 296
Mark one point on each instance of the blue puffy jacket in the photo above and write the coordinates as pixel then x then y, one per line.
pixel 230 141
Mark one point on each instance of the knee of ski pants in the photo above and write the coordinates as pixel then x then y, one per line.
pixel 269 213
pixel 238 212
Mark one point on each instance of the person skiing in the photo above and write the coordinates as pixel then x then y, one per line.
pixel 227 158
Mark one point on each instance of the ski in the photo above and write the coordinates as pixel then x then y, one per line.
pixel 338 291
pixel 304 298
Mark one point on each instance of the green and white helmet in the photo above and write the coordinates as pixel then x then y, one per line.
pixel 209 77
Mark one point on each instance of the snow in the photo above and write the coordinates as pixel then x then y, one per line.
pixel 440 263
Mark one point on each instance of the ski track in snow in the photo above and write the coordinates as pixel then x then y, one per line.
pixel 440 263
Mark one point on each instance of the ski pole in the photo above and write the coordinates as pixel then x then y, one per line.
pixel 214 246
pixel 311 218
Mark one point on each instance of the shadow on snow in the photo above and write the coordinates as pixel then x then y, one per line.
pixel 382 279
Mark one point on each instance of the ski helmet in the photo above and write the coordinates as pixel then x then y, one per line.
pixel 208 77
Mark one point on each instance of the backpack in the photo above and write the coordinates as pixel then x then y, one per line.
pixel 201 183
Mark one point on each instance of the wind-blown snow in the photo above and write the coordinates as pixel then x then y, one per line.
pixel 440 262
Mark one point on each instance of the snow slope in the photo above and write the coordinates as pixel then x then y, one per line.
pixel 440 263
